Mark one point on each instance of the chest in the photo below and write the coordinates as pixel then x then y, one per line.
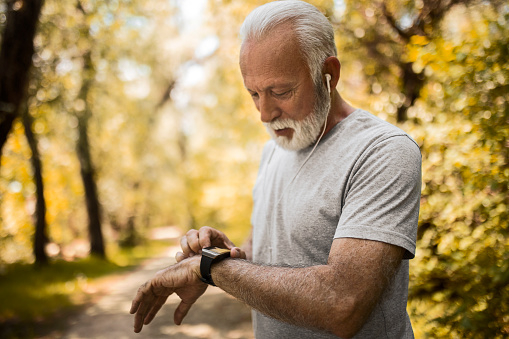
pixel 296 212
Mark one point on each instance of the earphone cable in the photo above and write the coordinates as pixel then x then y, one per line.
pixel 306 160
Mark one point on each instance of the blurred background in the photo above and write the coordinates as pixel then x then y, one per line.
pixel 134 119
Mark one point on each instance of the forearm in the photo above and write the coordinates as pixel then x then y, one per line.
pixel 337 297
pixel 312 296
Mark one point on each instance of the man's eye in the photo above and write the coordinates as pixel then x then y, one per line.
pixel 254 95
pixel 282 94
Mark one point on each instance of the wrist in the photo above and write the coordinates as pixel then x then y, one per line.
pixel 194 262
pixel 211 256
pixel 221 271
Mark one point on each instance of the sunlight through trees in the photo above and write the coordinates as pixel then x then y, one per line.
pixel 136 117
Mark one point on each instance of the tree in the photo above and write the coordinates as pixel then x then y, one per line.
pixel 87 170
pixel 458 115
pixel 15 60
pixel 383 29
pixel 464 219
pixel 134 167
pixel 40 236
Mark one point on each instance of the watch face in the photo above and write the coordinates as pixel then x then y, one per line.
pixel 220 250
pixel 214 251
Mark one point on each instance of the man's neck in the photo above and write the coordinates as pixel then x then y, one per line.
pixel 339 110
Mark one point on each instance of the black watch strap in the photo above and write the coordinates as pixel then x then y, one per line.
pixel 209 256
pixel 205 265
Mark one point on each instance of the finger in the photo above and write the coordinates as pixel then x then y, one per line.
pixel 134 307
pixel 206 234
pixel 155 308
pixel 193 241
pixel 141 314
pixel 143 301
pixel 137 299
pixel 237 252
pixel 181 312
pixel 186 249
pixel 215 238
pixel 138 323
pixel 227 242
pixel 138 318
pixel 179 256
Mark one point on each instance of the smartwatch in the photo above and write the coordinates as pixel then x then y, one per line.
pixel 210 255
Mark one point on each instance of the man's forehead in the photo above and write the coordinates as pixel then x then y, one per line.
pixel 283 31
pixel 278 49
pixel 282 35
pixel 274 73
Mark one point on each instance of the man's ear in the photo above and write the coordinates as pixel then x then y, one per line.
pixel 332 66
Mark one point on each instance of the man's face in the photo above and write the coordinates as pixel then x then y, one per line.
pixel 279 81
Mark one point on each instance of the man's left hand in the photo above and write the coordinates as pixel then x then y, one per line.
pixel 182 279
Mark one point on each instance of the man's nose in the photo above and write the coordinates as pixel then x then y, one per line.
pixel 269 110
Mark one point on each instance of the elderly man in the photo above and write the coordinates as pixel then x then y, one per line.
pixel 336 201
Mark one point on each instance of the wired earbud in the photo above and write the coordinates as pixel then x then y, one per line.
pixel 328 78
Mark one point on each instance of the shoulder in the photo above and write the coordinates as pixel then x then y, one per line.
pixel 368 127
pixel 390 146
pixel 363 136
pixel 395 156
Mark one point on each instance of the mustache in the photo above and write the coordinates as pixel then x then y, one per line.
pixel 281 124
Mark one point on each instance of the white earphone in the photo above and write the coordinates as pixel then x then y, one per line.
pixel 328 77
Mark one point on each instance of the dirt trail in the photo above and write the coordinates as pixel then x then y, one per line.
pixel 215 314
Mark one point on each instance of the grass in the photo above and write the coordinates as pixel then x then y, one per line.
pixel 35 297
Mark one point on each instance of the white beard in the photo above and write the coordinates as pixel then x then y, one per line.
pixel 305 132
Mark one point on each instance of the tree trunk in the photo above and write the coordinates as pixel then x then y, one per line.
pixel 87 168
pixel 411 87
pixel 15 60
pixel 91 197
pixel 40 237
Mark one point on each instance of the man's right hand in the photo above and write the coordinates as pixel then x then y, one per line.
pixel 194 240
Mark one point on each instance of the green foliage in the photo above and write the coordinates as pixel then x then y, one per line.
pixel 460 118
pixel 177 139
pixel 464 219
pixel 131 165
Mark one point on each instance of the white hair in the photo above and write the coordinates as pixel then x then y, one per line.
pixel 314 32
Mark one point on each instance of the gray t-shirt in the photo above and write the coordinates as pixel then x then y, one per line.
pixel 362 181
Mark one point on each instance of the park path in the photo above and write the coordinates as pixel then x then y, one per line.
pixel 215 314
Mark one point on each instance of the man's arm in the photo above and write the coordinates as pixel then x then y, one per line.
pixel 337 297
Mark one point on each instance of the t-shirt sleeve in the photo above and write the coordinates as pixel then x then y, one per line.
pixel 383 195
